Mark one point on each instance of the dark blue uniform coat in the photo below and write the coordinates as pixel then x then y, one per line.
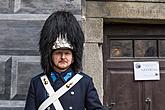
pixel 81 96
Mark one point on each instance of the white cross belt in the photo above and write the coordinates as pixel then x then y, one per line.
pixel 54 96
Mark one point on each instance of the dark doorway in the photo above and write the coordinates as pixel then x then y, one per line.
pixel 123 45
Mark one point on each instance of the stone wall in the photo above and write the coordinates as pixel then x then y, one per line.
pixel 20 25
pixel 99 12
pixel 93 52
pixel 138 12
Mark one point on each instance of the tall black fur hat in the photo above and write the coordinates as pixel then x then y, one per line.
pixel 61 23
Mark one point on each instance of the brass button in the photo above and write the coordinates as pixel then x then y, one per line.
pixel 45 81
pixel 68 85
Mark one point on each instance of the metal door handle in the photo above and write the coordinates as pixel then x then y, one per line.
pixel 148 102
pixel 110 106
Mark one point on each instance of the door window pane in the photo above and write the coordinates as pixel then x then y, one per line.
pixel 121 48
pixel 162 48
pixel 145 48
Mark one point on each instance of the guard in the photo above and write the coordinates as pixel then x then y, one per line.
pixel 62 85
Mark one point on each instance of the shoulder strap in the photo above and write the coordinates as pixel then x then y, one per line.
pixel 50 91
pixel 54 96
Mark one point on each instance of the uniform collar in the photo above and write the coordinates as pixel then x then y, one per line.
pixel 66 75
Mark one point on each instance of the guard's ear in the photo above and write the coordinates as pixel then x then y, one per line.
pixel 72 59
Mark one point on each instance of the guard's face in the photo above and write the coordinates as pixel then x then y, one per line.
pixel 62 59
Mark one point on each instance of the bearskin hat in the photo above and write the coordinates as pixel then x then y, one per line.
pixel 64 24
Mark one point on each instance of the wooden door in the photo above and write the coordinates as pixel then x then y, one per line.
pixel 123 45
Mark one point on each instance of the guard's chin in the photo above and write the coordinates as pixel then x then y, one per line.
pixel 62 68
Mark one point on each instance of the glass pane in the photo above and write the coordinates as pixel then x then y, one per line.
pixel 145 48
pixel 162 48
pixel 121 48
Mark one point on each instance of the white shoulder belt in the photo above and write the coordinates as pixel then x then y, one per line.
pixel 54 96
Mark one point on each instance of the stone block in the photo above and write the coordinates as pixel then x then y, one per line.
pixel 13 108
pixel 5 72
pixel 93 64
pixel 126 10
pixel 19 37
pixel 23 69
pixel 5 6
pixel 2 78
pixel 94 30
pixel 48 6
pixel 12 105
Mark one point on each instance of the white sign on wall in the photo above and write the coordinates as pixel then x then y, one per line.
pixel 146 70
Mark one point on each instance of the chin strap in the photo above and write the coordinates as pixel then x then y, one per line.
pixel 54 96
